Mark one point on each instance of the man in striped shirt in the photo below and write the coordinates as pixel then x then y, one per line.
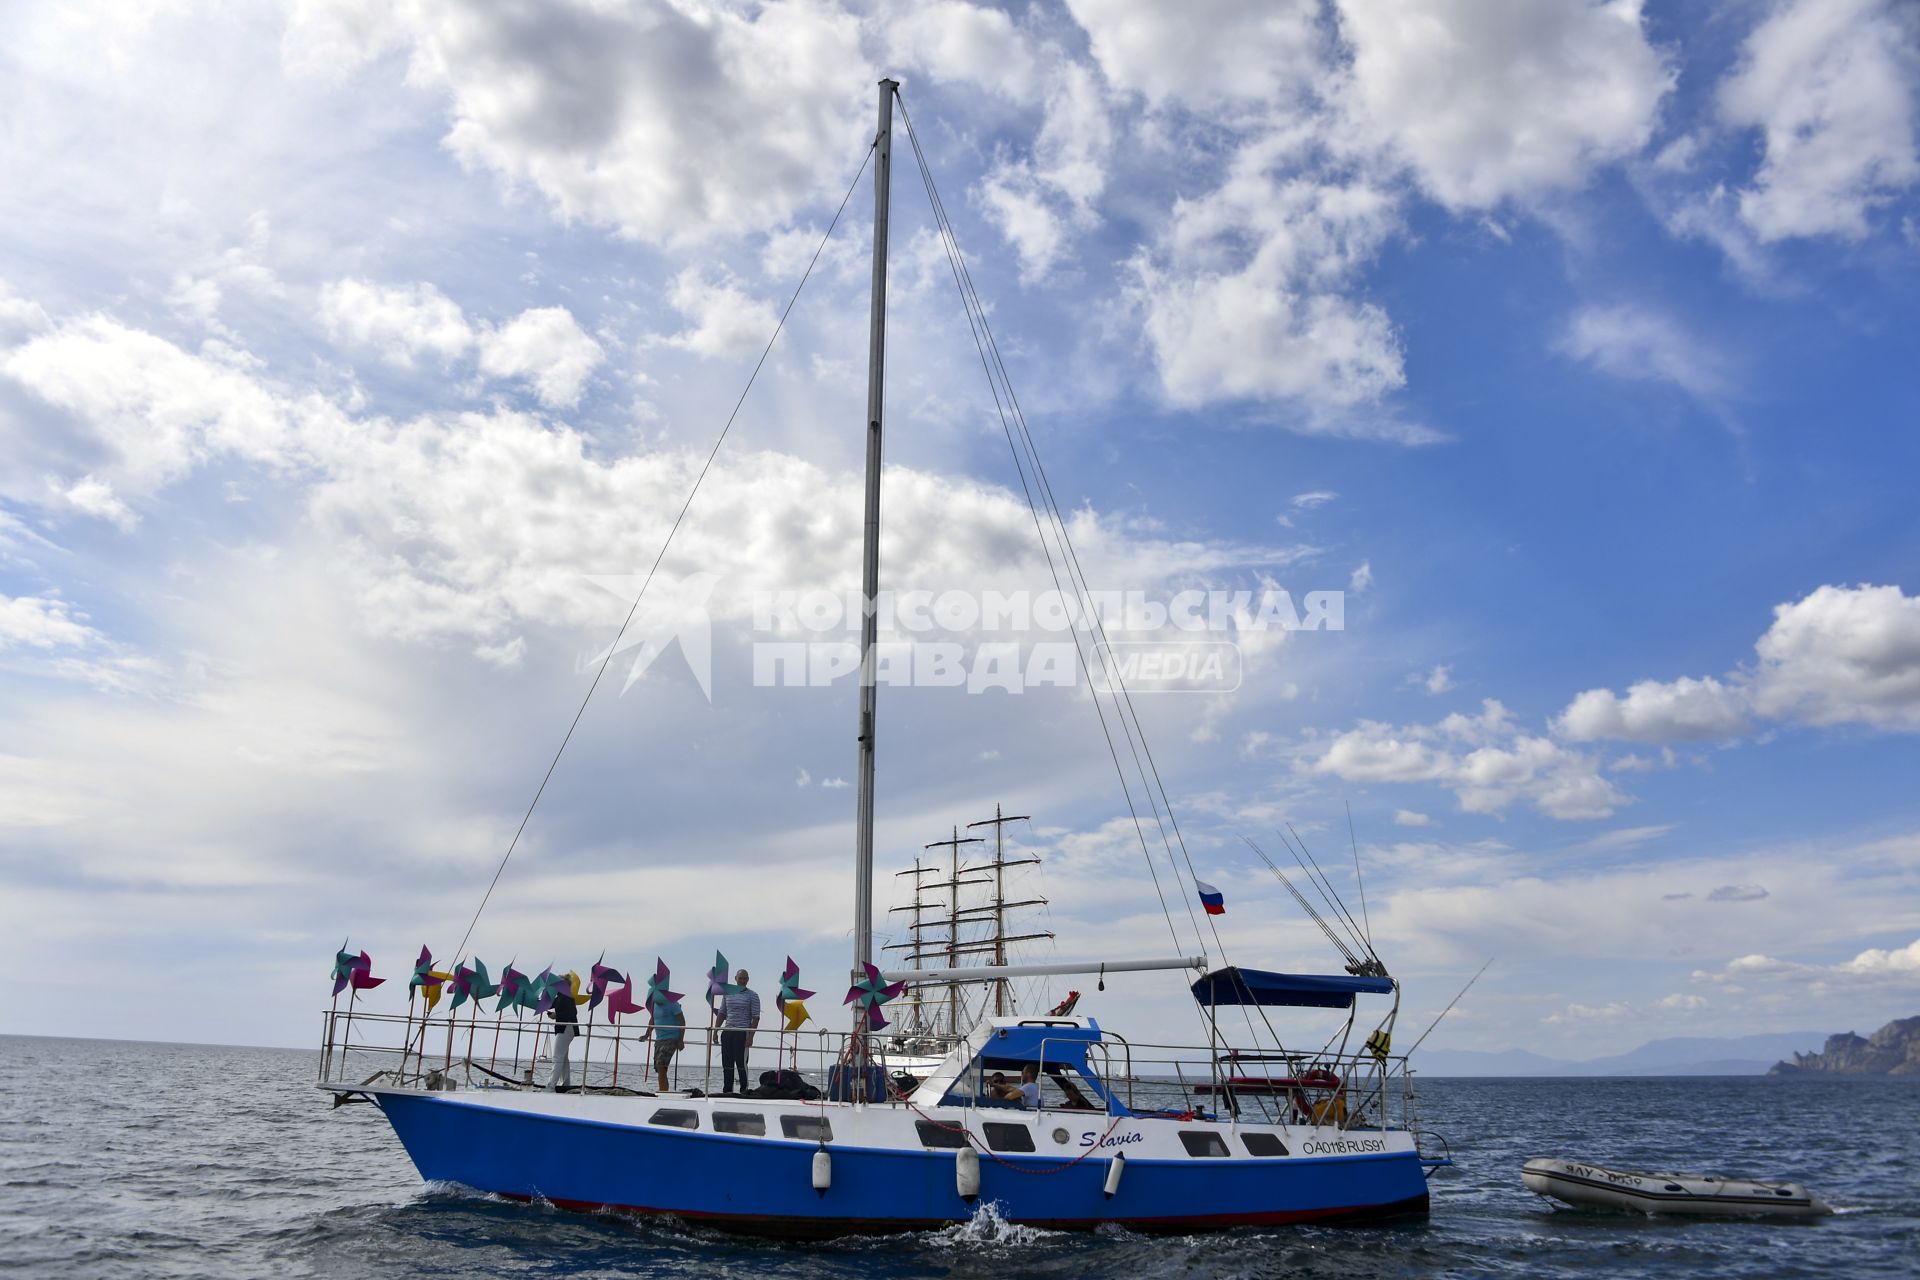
pixel 740 1014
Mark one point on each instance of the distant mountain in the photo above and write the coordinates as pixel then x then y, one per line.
pixel 1678 1056
pixel 1893 1050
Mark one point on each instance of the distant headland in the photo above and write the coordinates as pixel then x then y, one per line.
pixel 1893 1050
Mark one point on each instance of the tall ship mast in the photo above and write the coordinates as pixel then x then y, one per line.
pixel 960 919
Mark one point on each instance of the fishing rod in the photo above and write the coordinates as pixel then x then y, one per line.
pixel 1449 1009
pixel 1331 895
pixel 1354 840
pixel 1305 906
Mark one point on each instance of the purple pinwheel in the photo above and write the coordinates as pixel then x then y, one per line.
pixel 620 1000
pixel 717 984
pixel 599 980
pixel 870 993
pixel 657 993
pixel 344 964
pixel 423 974
pixel 790 988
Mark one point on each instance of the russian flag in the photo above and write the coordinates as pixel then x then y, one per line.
pixel 1211 898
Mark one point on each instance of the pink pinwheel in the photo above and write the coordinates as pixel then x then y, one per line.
pixel 870 993
pixel 790 988
pixel 620 1000
pixel 362 979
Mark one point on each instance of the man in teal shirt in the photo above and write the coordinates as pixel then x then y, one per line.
pixel 669 1032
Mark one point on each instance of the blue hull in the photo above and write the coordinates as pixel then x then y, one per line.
pixel 764 1185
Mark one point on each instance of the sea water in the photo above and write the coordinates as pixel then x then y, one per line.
pixel 134 1160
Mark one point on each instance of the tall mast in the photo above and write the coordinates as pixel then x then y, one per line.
pixel 870 559
pixel 1001 1003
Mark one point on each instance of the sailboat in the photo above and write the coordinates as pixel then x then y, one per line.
pixel 1054 1121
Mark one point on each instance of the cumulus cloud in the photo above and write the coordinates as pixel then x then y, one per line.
pixel 1830 86
pixel 724 321
pixel 1680 1002
pixel 1874 966
pixel 42 622
pixel 142 412
pixel 1486 761
pixel 397 322
pixel 668 123
pixel 1040 201
pixel 1496 99
pixel 1437 681
pixel 1841 655
pixel 1676 711
pixel 1409 818
pixel 1250 296
pixel 547 347
pixel 1208 52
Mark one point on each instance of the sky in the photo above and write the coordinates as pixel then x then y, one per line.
pixel 356 359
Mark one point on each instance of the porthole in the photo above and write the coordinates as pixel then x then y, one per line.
pixel 1060 1136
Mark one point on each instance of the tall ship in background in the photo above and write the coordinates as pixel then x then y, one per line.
pixel 961 918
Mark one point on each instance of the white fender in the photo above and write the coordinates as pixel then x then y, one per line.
pixel 1115 1167
pixel 822 1170
pixel 966 1173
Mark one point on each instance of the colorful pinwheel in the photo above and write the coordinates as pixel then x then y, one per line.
pixel 512 989
pixel 657 993
pixel 344 964
pixel 361 978
pixel 426 977
pixel 599 979
pixel 870 993
pixel 790 988
pixel 574 991
pixel 796 1012
pixel 547 988
pixel 479 985
pixel 620 1000
pixel 717 984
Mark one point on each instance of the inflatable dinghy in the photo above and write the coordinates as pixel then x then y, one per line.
pixel 1591 1186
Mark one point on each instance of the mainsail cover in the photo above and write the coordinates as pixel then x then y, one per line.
pixel 1234 985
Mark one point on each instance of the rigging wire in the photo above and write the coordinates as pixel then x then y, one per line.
pixel 664 545
pixel 1334 901
pixel 969 303
pixel 1127 716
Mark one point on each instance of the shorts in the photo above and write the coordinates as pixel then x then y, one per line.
pixel 663 1051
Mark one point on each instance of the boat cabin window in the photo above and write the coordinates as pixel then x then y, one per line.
pixel 1264 1144
pixel 1008 1137
pixel 807 1128
pixel 940 1135
pixel 676 1118
pixel 751 1123
pixel 1200 1142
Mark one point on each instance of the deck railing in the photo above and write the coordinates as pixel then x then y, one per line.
pixel 1346 1091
